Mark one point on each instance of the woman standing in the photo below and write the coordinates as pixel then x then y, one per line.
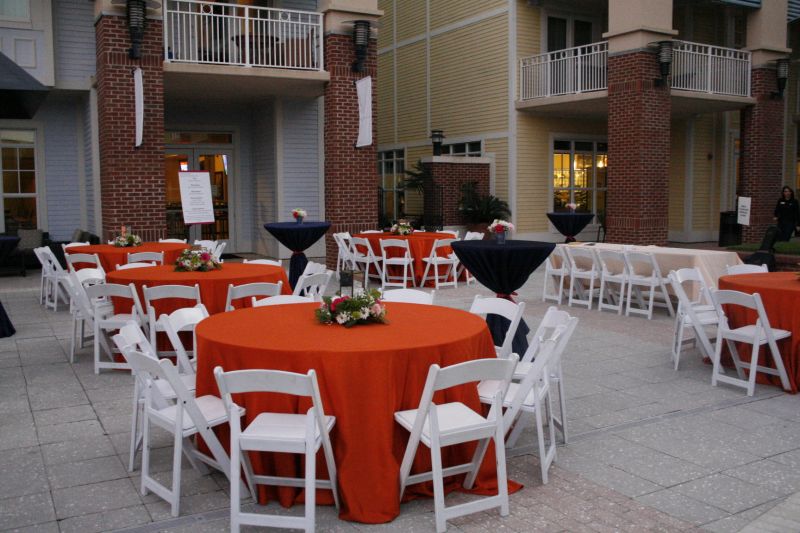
pixel 787 214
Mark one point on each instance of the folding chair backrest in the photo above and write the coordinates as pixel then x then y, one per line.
pixel 441 243
pixel 642 264
pixel 538 375
pixel 164 369
pixel 581 258
pixel 411 296
pixel 554 324
pixel 733 270
pixel 185 319
pixel 355 242
pixel 473 236
pixel 558 258
pixel 52 263
pixel 251 289
pixel 313 286
pixel 268 262
pixel 612 262
pixel 282 299
pixel 314 268
pixel 40 257
pixel 217 251
pixel 693 275
pixel 103 291
pixel 135 265
pixel 183 292
pixel 89 276
pixel 497 306
pixel 209 246
pixel 73 259
pixel 76 243
pixel 137 257
pixel 132 335
pixel 395 243
pixel 176 241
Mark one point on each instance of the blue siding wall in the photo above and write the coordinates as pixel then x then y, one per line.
pixel 301 183
pixel 74 41
pixel 264 176
pixel 87 164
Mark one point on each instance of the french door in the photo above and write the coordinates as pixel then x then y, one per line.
pixel 219 165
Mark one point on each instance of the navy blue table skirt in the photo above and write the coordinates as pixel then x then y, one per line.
pixel 297 238
pixel 503 268
pixel 570 224
pixel 6 327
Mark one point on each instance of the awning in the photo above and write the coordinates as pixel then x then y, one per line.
pixel 794 10
pixel 20 93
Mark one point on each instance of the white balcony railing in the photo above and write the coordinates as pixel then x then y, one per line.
pixel 710 69
pixel 230 34
pixel 570 71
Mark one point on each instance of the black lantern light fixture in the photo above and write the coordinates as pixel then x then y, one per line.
pixel 346 282
pixel 781 76
pixel 664 57
pixel 361 30
pixel 136 14
pixel 437 136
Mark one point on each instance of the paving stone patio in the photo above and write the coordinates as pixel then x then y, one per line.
pixel 650 449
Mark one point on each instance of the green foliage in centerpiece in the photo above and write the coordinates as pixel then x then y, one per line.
pixel 362 308
pixel 196 260
pixel 129 240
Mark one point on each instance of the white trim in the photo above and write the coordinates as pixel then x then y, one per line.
pixel 688 178
pixel 96 183
pixel 428 125
pixel 321 154
pixel 80 117
pixel 458 160
pixel 37 127
pixel 489 136
pixel 512 111
pixel 570 17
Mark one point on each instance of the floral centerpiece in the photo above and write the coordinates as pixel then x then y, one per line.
pixel 299 214
pixel 130 239
pixel 196 260
pixel 572 207
pixel 402 228
pixel 500 228
pixel 362 308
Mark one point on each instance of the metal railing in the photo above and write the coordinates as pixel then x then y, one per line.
pixel 710 69
pixel 230 34
pixel 570 71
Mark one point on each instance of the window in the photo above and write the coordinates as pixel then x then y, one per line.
pixel 18 166
pixel 19 10
pixel 391 170
pixel 566 32
pixel 468 149
pixel 579 175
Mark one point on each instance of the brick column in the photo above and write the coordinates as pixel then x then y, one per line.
pixel 449 174
pixel 132 179
pixel 638 150
pixel 351 177
pixel 761 153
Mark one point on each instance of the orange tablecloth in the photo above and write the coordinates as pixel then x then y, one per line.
pixel 780 292
pixel 213 284
pixel 111 256
pixel 420 244
pixel 365 373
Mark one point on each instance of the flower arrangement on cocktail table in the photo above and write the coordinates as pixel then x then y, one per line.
pixel 299 215
pixel 124 241
pixel 500 228
pixel 402 228
pixel 196 261
pixel 572 207
pixel 362 308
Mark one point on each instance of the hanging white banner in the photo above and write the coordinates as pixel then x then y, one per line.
pixel 743 210
pixel 138 102
pixel 364 90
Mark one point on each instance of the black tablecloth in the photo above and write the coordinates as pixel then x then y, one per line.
pixel 503 268
pixel 570 224
pixel 7 245
pixel 297 238
pixel 6 327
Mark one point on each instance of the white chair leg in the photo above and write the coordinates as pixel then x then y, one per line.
pixel 776 357
pixel 540 439
pixel 502 476
pixel 135 421
pixel 562 401
pixel 438 484
pixel 177 452
pixel 96 332
pixel 310 486
pixel 145 451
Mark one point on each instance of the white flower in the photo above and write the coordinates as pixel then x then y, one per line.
pixel 341 318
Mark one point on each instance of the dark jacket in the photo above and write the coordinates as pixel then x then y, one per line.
pixel 788 212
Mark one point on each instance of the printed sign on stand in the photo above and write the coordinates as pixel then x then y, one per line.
pixel 196 201
pixel 743 211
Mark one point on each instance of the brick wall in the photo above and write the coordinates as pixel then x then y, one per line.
pixel 351 177
pixel 761 153
pixel 132 179
pixel 638 151
pixel 451 176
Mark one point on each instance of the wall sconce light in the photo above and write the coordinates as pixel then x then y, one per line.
pixel 437 136
pixel 781 76
pixel 361 30
pixel 664 57
pixel 136 13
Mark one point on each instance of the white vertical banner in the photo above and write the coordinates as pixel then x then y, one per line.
pixel 364 90
pixel 743 210
pixel 138 100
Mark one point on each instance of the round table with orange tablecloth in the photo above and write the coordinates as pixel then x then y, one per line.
pixel 420 243
pixel 213 284
pixel 365 374
pixel 111 256
pixel 780 293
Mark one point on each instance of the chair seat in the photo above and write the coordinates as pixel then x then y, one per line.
pixel 164 388
pixel 118 320
pixel 280 432
pixel 638 279
pixel 487 390
pixel 706 318
pixel 747 333
pixel 398 260
pixel 211 407
pixel 453 417
pixel 440 260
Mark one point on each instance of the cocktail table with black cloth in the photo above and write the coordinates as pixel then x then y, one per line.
pixel 503 268
pixel 8 243
pixel 297 238
pixel 570 224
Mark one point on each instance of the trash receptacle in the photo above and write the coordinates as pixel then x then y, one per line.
pixel 730 232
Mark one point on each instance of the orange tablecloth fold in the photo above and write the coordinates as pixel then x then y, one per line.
pixel 365 373
pixel 420 244
pixel 780 293
pixel 111 256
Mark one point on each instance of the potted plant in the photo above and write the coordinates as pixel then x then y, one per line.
pixel 480 210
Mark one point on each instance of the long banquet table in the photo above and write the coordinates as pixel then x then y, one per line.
pixel 111 256
pixel 420 243
pixel 365 374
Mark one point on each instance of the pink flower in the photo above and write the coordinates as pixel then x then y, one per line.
pixel 205 256
pixel 337 301
pixel 376 309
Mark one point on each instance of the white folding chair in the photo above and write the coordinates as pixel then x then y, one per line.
pixel 697 314
pixel 187 417
pixel 436 260
pixel 135 265
pixel 217 252
pixel 313 286
pixel 175 241
pixel 43 283
pixel 403 260
pixel 80 307
pixel 372 231
pixel 207 245
pixel 528 397
pixel 146 257
pixel 282 299
pixel 437 425
pixel 268 262
pixel 314 268
pixel 504 308
pixel 470 236
pixel 89 259
pixel 189 293
pixel 643 272
pixel 278 432
pixel 556 269
pixel 757 335
pixel 107 320
pixel 64 246
pixel 613 271
pixel 55 279
pixel 732 270
pixel 344 257
pixel 367 258
pixel 180 320
pixel 582 267
pixel 409 296
pixel 249 290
